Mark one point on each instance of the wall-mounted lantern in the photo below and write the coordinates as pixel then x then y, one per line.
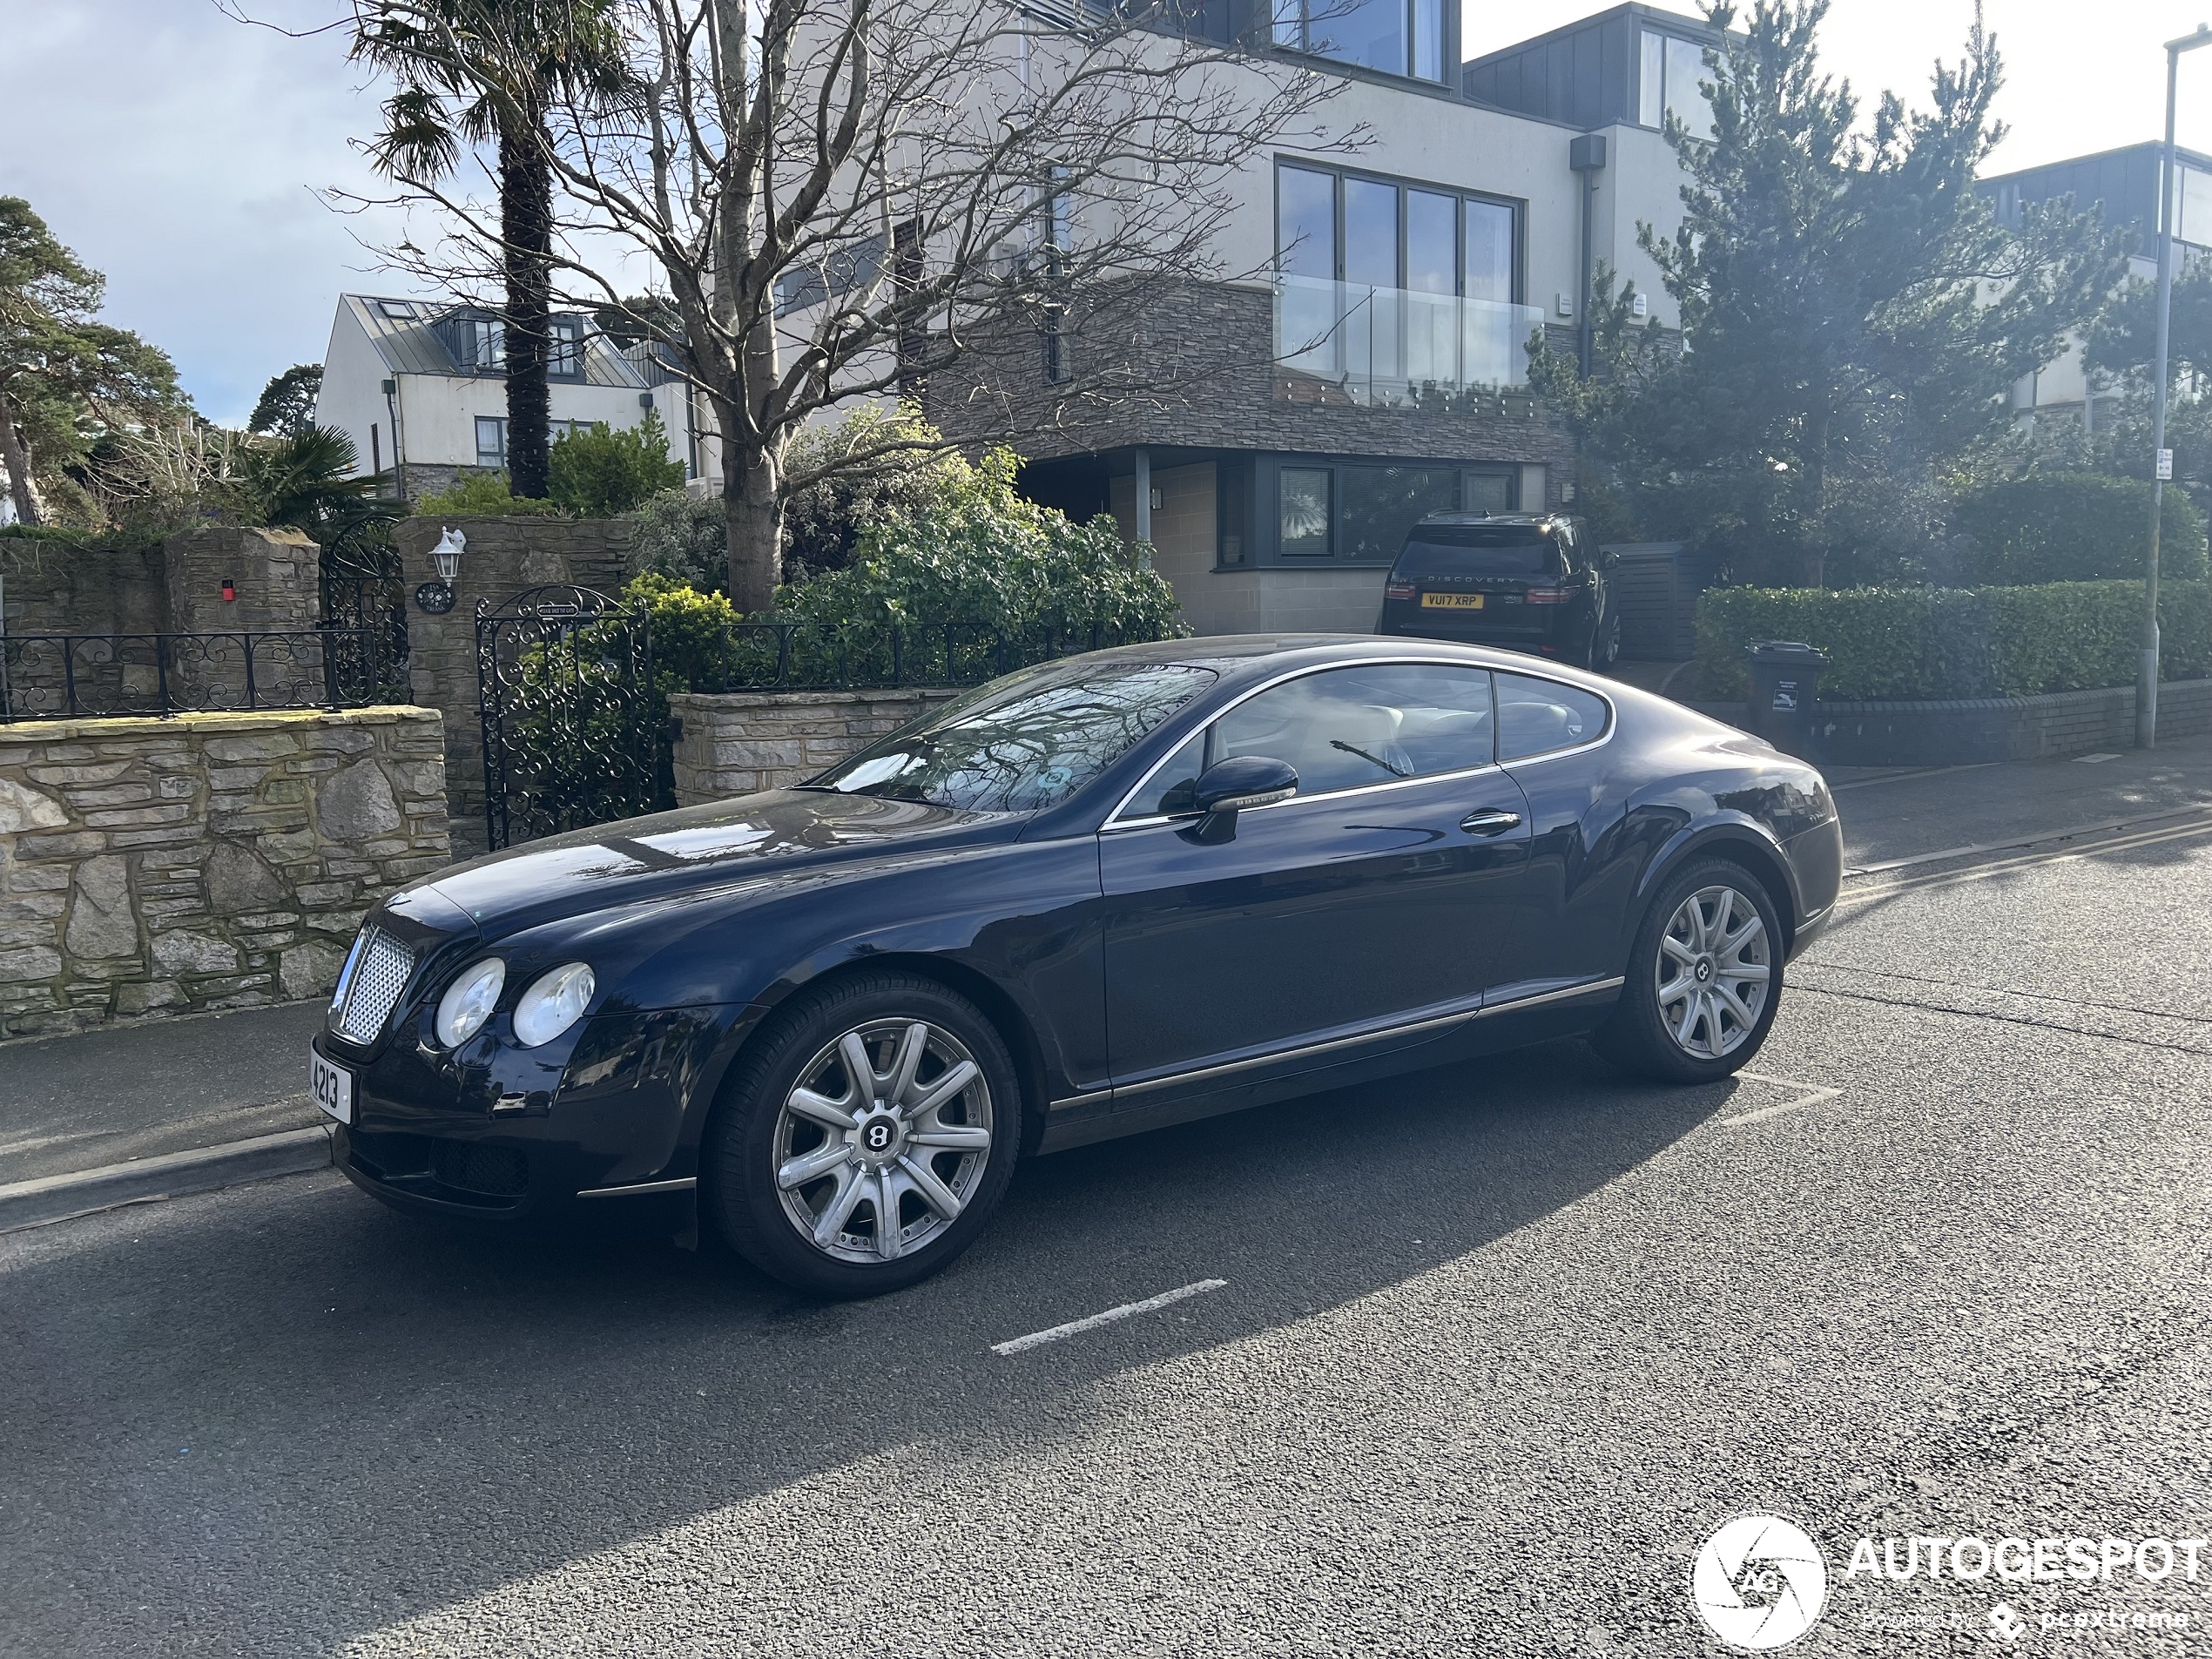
pixel 447 554
pixel 230 591
pixel 436 597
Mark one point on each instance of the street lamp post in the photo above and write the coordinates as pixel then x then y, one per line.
pixel 2147 673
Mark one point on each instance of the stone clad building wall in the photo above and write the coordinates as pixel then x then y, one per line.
pixel 736 742
pixel 152 867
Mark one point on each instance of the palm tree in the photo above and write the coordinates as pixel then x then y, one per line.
pixel 483 71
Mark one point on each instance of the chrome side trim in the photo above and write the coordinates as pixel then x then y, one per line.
pixel 1458 1016
pixel 1115 821
pixel 1084 1099
pixel 1587 988
pixel 684 1184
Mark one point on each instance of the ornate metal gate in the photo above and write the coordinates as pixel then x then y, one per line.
pixel 565 678
pixel 363 606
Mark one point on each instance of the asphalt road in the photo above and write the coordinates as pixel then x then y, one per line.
pixel 1494 1353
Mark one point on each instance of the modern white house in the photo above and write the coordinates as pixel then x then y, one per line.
pixel 421 389
pixel 2123 186
pixel 1379 356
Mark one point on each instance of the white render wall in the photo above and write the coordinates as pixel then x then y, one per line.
pixel 438 412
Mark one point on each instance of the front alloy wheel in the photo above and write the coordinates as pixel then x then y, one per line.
pixel 865 1136
pixel 883 1140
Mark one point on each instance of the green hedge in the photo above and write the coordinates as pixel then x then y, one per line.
pixel 1905 643
pixel 2074 527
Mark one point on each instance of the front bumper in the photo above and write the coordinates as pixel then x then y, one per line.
pixel 621 1121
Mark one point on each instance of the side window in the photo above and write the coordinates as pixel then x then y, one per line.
pixel 1346 728
pixel 1535 717
pixel 1167 791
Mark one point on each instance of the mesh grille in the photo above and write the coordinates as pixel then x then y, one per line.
pixel 379 977
pixel 496 1172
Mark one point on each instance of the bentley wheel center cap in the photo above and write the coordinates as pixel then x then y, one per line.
pixel 1704 969
pixel 878 1137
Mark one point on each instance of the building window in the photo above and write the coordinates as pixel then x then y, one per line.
pixel 1359 511
pixel 564 348
pixel 857 265
pixel 491 436
pixel 1379 504
pixel 1396 293
pixel 1055 234
pixel 1233 512
pixel 1386 233
pixel 1305 512
pixel 1398 36
pixel 1673 70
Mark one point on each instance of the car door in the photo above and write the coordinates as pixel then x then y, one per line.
pixel 1383 895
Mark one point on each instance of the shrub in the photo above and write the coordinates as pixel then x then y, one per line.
pixel 979 556
pixel 684 537
pixel 823 521
pixel 2073 527
pixel 483 494
pixel 1933 642
pixel 600 472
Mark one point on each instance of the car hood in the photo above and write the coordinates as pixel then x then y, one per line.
pixel 695 849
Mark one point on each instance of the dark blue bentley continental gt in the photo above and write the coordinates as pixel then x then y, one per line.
pixel 1110 893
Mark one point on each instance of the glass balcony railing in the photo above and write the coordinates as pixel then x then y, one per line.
pixel 1344 342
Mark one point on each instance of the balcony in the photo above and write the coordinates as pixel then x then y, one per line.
pixel 1394 349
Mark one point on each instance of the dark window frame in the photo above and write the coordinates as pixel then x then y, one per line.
pixel 1273 22
pixel 1402 183
pixel 1264 475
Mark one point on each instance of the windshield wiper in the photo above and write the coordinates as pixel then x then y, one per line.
pixel 1350 749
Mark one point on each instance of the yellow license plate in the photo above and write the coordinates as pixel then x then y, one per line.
pixel 1452 601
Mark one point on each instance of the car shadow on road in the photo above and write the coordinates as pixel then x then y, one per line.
pixel 295 1374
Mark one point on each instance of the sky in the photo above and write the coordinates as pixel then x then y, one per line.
pixel 182 152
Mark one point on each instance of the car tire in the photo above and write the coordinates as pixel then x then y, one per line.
pixel 1677 1022
pixel 798 1157
pixel 1605 642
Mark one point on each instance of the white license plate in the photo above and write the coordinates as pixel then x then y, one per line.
pixel 332 1085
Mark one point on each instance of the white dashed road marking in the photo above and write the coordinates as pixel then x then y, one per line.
pixel 1128 1310
pixel 1812 1096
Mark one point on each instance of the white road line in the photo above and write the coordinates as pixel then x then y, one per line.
pixel 1128 1310
pixel 2004 866
pixel 2043 837
pixel 1813 1096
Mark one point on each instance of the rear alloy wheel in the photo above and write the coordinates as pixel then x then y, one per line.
pixel 1704 978
pixel 869 1139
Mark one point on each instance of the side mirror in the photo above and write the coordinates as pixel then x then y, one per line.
pixel 1236 784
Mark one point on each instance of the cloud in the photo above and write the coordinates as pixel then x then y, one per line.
pixel 180 153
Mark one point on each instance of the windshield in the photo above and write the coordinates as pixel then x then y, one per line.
pixel 1025 742
pixel 1501 549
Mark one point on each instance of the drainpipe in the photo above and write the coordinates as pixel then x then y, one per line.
pixel 1586 155
pixel 1144 494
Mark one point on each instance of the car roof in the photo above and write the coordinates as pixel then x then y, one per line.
pixel 1491 518
pixel 1238 658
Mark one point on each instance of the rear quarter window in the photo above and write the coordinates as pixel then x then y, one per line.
pixel 1538 717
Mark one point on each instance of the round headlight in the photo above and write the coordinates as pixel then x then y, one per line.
pixel 469 1002
pixel 554 1003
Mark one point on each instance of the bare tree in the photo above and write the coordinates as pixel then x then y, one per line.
pixel 844 198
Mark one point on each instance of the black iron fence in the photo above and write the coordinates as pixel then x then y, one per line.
pixel 61 676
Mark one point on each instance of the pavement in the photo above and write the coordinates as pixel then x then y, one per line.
pixel 1481 1358
pixel 157 1110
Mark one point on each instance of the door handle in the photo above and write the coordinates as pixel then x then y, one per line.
pixel 1490 820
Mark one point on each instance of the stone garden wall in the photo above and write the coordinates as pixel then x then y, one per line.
pixel 741 741
pixel 152 866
